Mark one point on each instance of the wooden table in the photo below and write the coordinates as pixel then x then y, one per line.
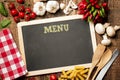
pixel 113 18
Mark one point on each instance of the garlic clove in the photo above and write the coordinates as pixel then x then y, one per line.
pixel 110 31
pixel 99 28
pixel 67 10
pixel 73 5
pixel 62 6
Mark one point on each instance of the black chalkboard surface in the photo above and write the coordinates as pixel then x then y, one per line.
pixel 50 45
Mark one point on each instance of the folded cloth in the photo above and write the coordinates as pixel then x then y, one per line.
pixel 11 63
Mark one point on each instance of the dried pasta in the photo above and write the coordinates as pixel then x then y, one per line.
pixel 78 73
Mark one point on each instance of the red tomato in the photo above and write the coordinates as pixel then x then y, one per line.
pixel 104 4
pixel 53 77
pixel 21 15
pixel 27 17
pixel 20 1
pixel 21 8
pixel 28 10
pixel 11 6
pixel 14 12
pixel 16 19
pixel 32 15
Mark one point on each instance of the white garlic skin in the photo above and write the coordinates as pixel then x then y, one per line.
pixel 62 6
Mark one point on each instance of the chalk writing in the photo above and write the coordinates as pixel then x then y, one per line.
pixel 56 28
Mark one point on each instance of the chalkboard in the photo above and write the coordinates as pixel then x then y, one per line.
pixel 51 45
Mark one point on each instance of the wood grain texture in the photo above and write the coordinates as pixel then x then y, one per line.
pixel 113 18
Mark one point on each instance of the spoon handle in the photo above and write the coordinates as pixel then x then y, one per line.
pixel 97 71
pixel 90 72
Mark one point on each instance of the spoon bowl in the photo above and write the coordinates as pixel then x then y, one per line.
pixel 96 58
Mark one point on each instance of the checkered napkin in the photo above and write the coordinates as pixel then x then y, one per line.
pixel 11 63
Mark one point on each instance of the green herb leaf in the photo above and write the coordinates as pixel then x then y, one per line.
pixel 3 11
pixel 4 23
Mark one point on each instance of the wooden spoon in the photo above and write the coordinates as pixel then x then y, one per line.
pixel 96 58
pixel 104 59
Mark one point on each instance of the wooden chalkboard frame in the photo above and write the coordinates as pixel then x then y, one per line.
pixel 59 69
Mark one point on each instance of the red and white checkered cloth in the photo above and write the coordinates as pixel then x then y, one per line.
pixel 11 63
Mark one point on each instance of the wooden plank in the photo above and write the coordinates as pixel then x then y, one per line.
pixel 113 18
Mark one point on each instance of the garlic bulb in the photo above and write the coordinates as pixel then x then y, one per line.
pixel 39 8
pixel 52 6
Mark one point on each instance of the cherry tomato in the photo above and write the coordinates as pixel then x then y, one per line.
pixel 14 12
pixel 53 77
pixel 21 8
pixel 16 19
pixel 11 6
pixel 82 5
pixel 104 4
pixel 20 1
pixel 28 10
pixel 32 15
pixel 21 15
pixel 27 17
